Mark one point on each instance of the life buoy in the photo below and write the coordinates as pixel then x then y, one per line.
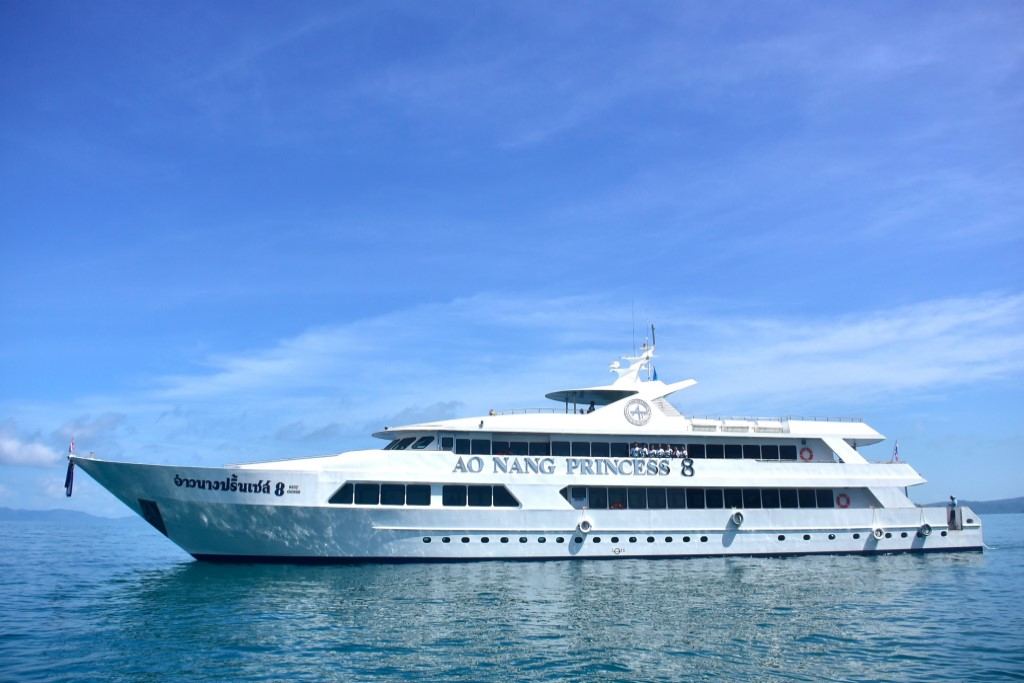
pixel 586 526
pixel 842 501
pixel 737 518
pixel 926 530
pixel 806 454
pixel 878 533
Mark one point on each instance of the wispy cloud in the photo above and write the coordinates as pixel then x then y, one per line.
pixel 16 451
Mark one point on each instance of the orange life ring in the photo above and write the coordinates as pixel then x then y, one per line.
pixel 842 500
pixel 806 454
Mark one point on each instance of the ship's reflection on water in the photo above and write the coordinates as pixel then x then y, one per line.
pixel 850 618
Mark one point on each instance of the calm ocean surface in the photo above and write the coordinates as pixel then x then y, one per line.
pixel 114 600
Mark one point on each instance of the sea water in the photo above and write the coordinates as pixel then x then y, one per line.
pixel 113 600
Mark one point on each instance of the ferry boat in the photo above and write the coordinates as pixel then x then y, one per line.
pixel 615 471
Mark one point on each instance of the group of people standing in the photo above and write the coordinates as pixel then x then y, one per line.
pixel 645 450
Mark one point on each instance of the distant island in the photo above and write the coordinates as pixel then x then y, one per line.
pixel 1004 506
pixel 12 515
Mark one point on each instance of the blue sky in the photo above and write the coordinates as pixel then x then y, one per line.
pixel 234 231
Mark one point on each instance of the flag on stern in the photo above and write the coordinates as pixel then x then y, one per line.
pixel 896 452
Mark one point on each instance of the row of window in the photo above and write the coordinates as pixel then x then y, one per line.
pixel 677 498
pixel 458 495
pixel 417 444
pixel 617 449
pixel 633 539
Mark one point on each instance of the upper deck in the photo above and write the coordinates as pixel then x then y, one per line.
pixel 637 408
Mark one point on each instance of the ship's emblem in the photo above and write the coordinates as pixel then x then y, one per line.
pixel 638 412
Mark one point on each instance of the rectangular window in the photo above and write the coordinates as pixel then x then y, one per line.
pixel 560 448
pixel 770 498
pixel 677 498
pixel 446 443
pixel 392 494
pixel 733 451
pixel 504 499
pixel 367 494
pixel 500 447
pixel 620 450
pixel 787 452
pixel 695 499
pixel 480 496
pixel 462 446
pixel 481 447
pixel 714 450
pixel 616 498
pixel 752 498
pixel 599 449
pixel 454 494
pixel 578 497
pixel 520 448
pixel 598 498
pixel 733 498
pixel 788 498
pixel 714 498
pixel 342 496
pixel 417 494
pixel 695 450
pixel 581 449
pixel 637 498
pixel 751 452
pixel 422 442
pixel 825 499
pixel 769 452
pixel 807 498
pixel 656 498
pixel 539 448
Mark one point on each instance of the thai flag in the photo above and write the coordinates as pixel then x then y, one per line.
pixel 69 478
pixel 896 452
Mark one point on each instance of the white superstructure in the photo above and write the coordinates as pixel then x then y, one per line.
pixel 616 471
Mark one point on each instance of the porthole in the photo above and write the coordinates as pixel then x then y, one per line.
pixel 703 539
pixel 426 539
pixel 650 539
pixel 560 539
pixel 668 539
pixel 888 534
pixel 485 540
pixel 615 539
pixel 781 537
pixel 542 539
pixel 856 536
pixel 831 537
pixel 903 534
pixel 970 521
pixel 465 539
pixel 504 539
pixel 686 539
pixel 577 539
pixel 807 537
pixel 597 539
pixel 446 539
pixel 943 533
pixel 632 539
pixel 522 539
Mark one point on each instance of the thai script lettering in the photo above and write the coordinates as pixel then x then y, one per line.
pixel 231 484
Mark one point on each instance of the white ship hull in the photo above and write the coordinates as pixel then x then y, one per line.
pixel 297 526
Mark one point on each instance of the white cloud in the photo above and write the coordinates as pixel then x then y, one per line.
pixel 487 349
pixel 14 451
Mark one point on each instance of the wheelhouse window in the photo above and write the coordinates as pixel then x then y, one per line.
pixel 447 443
pixel 422 442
